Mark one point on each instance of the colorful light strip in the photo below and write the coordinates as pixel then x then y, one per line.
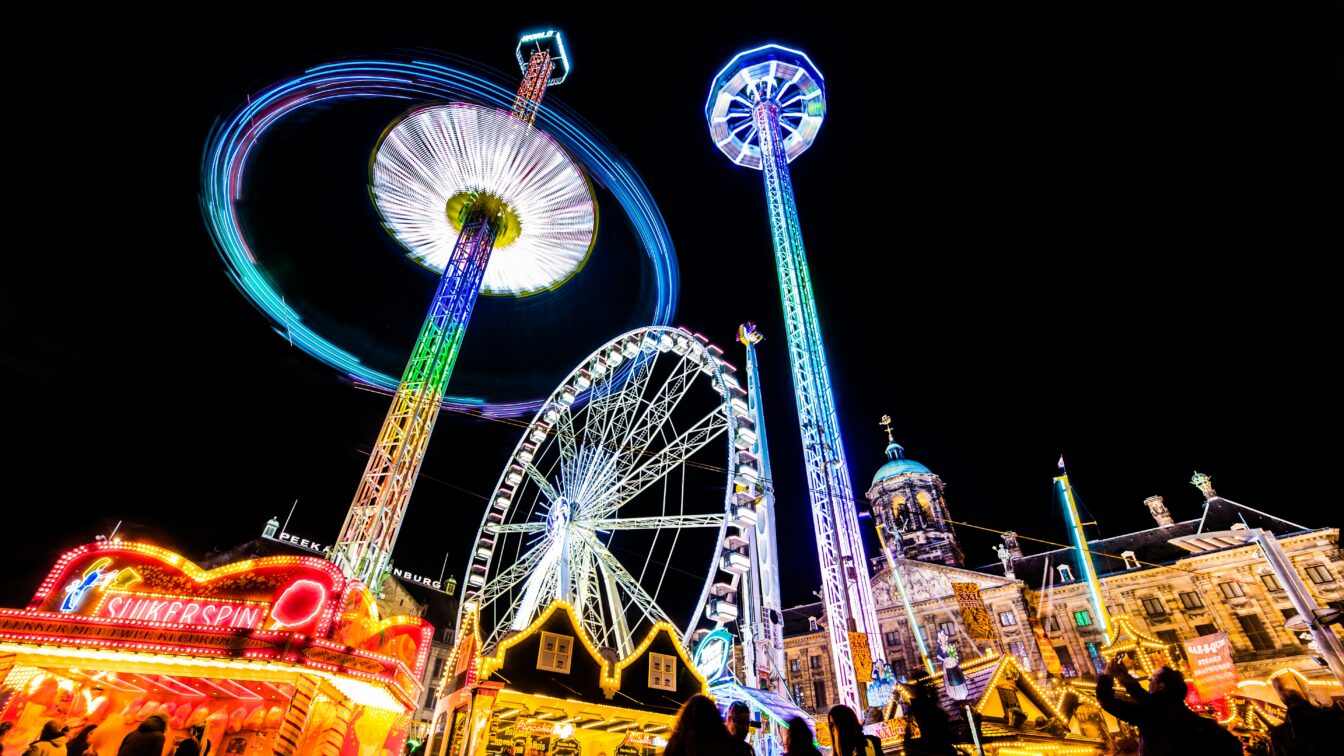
pixel 1084 554
pixel 232 142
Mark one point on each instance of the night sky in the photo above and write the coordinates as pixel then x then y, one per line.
pixel 1041 230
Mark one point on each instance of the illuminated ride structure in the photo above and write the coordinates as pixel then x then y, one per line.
pixel 764 109
pixel 490 203
pixel 228 165
pixel 762 624
pixel 616 501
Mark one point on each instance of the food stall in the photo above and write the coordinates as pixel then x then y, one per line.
pixel 547 690
pixel 276 655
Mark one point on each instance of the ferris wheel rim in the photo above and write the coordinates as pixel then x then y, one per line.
pixel 477 593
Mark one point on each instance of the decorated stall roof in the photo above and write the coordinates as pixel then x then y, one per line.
pixel 553 656
pixel 658 674
pixel 119 600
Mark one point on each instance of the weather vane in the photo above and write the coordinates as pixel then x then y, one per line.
pixel 886 426
pixel 1203 483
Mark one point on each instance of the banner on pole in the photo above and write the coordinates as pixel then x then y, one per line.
pixel 973 611
pixel 1212 672
pixel 859 654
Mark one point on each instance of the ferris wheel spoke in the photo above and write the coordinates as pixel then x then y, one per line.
pixel 631 587
pixel 655 523
pixel 564 434
pixel 510 577
pixel 618 408
pixel 540 480
pixel 646 428
pixel 540 583
pixel 653 468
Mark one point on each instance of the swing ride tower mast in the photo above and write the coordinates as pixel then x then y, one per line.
pixel 364 548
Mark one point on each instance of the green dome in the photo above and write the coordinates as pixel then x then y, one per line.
pixel 897 464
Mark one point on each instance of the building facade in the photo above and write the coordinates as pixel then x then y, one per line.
pixel 1176 581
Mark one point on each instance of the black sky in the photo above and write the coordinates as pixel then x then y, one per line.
pixel 1036 229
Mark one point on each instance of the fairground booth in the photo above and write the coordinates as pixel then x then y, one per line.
pixel 547 690
pixel 276 655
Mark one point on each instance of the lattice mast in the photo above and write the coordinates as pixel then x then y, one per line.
pixel 764 109
pixel 763 641
pixel 364 549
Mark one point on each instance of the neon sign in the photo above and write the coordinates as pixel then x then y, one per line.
pixel 95 577
pixel 182 610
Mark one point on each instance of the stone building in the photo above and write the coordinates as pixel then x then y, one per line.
pixel 1176 581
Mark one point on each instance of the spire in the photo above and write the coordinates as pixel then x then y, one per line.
pixel 1205 484
pixel 894 450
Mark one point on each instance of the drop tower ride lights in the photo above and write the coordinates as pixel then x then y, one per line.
pixel 764 109
pixel 482 198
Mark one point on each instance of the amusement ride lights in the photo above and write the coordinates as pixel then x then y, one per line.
pixel 764 109
pixel 484 178
pixel 763 631
pixel 225 164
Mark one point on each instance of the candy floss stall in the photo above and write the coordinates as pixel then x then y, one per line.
pixel 277 655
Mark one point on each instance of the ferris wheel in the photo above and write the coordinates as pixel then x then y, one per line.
pixel 619 501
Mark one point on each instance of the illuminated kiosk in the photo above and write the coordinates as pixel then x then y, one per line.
pixel 548 691
pixel 770 711
pixel 276 655
pixel 1016 715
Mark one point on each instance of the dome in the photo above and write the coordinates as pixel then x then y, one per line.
pixel 897 464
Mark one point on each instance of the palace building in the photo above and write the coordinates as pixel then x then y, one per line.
pixel 1174 582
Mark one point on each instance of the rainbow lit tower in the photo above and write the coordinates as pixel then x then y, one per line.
pixel 764 109
pixel 489 204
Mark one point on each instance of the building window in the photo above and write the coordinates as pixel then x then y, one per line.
pixel 1065 574
pixel 1082 618
pixel 1231 590
pixel 1008 697
pixel 818 693
pixel 812 625
pixel 663 672
pixel 556 651
pixel 1131 561
pixel 1168 636
pixel 1007 619
pixel 1271 582
pixel 1191 600
pixel 1065 661
pixel 1319 574
pixel 798 694
pixel 1115 610
pixel 816 663
pixel 1094 653
pixel 1153 607
pixel 1052 623
pixel 948 629
pixel 1018 649
pixel 438 668
pixel 892 638
pixel 1205 629
pixel 1256 632
pixel 795 666
pixel 898 669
